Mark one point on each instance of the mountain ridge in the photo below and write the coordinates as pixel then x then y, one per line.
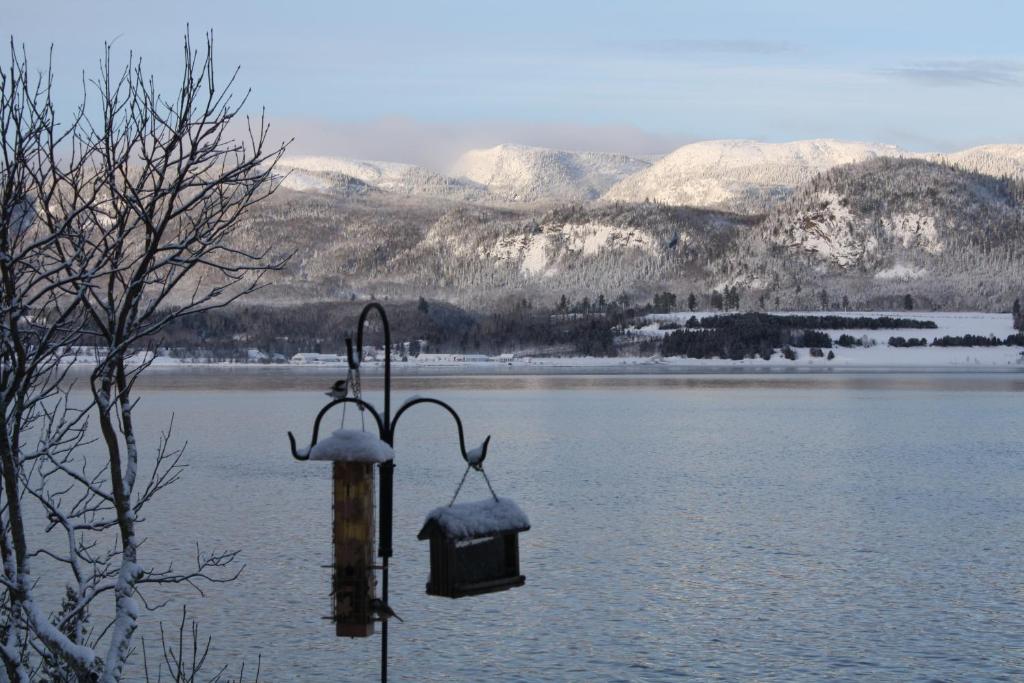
pixel 744 175
pixel 747 176
pixel 524 173
pixel 870 231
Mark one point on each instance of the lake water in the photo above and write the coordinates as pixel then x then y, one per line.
pixel 779 528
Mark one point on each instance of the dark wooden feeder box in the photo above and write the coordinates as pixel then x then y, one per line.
pixel 353 585
pixel 474 547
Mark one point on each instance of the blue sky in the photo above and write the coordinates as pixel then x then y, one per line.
pixel 419 81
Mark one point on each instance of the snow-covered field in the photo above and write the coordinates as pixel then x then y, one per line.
pixel 881 354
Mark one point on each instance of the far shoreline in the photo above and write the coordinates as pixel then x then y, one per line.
pixel 374 373
pixel 653 369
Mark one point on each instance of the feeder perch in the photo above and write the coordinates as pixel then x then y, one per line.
pixel 474 547
pixel 353 586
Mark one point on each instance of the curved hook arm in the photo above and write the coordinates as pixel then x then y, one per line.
pixel 475 463
pixel 323 411
pixel 354 362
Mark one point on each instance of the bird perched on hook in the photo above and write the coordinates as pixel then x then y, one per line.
pixel 382 611
pixel 339 389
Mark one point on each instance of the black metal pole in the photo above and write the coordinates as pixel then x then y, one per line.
pixel 384 626
pixel 386 471
pixel 386 427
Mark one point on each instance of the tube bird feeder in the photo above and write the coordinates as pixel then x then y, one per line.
pixel 353 454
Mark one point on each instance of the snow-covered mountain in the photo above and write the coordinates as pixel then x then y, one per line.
pixel 344 176
pixel 519 173
pixel 734 175
pixel 871 231
pixel 900 216
pixel 997 160
pixel 740 175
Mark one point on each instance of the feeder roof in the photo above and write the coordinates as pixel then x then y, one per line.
pixel 351 445
pixel 477 519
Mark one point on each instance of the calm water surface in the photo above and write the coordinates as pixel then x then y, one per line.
pixel 775 528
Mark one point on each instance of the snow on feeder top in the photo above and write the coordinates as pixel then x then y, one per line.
pixel 474 547
pixel 350 445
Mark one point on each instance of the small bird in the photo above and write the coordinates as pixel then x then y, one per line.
pixel 382 611
pixel 339 389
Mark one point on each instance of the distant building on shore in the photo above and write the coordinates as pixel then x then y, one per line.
pixel 453 358
pixel 309 358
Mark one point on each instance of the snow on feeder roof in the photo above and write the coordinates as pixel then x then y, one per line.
pixel 351 445
pixel 475 520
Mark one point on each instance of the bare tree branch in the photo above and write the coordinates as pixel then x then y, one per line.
pixel 114 224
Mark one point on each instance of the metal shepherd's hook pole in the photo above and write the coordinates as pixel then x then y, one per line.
pixel 387 469
pixel 386 425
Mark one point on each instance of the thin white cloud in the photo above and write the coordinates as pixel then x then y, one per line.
pixel 961 72
pixel 438 145
pixel 690 47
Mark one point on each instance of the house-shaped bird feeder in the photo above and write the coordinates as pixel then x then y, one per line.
pixel 353 587
pixel 474 547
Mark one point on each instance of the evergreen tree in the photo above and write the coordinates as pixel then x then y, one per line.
pixel 908 303
pixel 717 302
pixel 691 302
pixel 664 302
pixel 423 306
pixel 731 298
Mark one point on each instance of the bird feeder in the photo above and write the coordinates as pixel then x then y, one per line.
pixel 474 547
pixel 353 454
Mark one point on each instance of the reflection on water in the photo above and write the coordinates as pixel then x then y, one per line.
pixel 773 528
pixel 284 377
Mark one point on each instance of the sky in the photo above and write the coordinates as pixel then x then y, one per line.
pixel 423 81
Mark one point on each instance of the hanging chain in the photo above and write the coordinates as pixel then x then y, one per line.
pixel 357 393
pixel 350 386
pixel 459 487
pixel 340 391
pixel 462 481
pixel 489 484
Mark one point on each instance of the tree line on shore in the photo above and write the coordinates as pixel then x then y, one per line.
pixel 587 326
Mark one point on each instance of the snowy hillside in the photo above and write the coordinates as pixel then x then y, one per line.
pixel 518 173
pixel 740 175
pixel 897 215
pixel 328 174
pixel 540 253
pixel 997 160
pixel 870 231
pixel 733 175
